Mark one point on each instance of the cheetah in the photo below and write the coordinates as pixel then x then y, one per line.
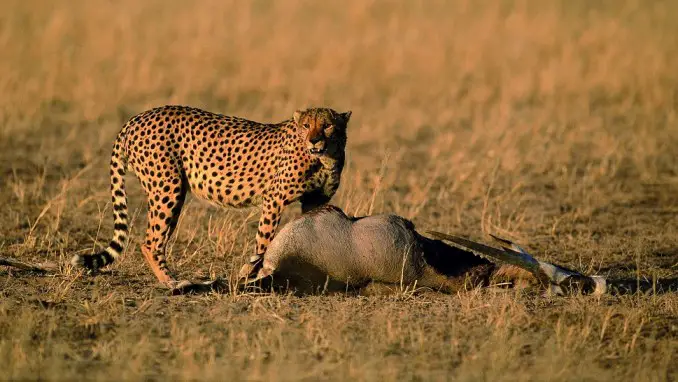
pixel 228 161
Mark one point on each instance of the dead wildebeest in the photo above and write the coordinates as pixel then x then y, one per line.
pixel 326 249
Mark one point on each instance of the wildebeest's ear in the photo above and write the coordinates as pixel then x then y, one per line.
pixel 345 116
pixel 297 116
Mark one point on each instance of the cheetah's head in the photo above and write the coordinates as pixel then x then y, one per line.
pixel 323 130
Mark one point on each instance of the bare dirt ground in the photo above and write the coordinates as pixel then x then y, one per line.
pixel 554 123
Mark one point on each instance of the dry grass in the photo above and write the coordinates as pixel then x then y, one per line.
pixel 551 122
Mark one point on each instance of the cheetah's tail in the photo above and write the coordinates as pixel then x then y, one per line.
pixel 120 213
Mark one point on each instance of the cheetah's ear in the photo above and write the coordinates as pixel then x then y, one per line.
pixel 297 116
pixel 345 116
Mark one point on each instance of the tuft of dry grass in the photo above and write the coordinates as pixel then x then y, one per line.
pixel 550 122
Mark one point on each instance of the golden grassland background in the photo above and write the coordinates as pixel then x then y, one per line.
pixel 550 122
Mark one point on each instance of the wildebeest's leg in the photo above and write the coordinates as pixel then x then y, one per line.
pixel 475 277
pixel 518 277
pixel 555 278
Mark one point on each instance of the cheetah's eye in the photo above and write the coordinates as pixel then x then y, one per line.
pixel 307 126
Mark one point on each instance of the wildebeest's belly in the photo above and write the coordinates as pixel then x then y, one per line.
pixel 306 277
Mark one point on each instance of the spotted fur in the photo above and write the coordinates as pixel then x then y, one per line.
pixel 229 161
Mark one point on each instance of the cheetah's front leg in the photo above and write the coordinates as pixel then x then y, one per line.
pixel 268 223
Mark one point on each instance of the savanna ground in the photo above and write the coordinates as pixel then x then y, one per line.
pixel 553 123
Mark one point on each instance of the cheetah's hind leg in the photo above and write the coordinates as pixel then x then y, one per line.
pixel 163 216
